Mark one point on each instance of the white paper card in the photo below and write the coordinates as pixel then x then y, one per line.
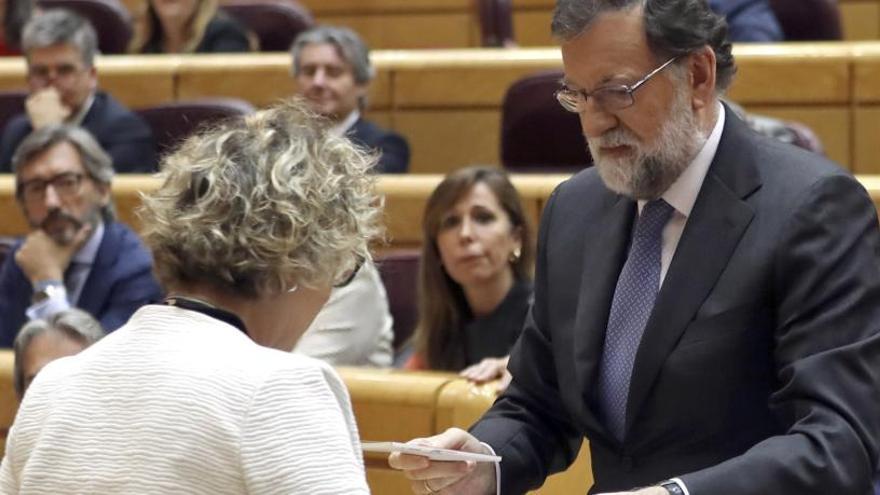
pixel 432 453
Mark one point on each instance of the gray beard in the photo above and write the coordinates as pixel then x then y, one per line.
pixel 655 167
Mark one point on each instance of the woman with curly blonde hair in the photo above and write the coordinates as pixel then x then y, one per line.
pixel 187 26
pixel 255 221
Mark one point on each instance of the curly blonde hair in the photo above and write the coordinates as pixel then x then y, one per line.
pixel 256 205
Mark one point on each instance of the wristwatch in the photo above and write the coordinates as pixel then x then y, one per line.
pixel 672 487
pixel 47 289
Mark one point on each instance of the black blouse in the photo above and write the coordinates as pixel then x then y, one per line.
pixel 493 335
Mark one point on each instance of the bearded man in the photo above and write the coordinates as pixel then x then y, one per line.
pixel 75 254
pixel 707 301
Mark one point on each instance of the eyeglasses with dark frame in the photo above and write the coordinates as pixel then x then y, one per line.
pixel 609 98
pixel 66 185
pixel 44 73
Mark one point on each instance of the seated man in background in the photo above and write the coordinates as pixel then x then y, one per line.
pixel 40 342
pixel 749 20
pixel 60 47
pixel 332 69
pixel 76 255
pixel 354 326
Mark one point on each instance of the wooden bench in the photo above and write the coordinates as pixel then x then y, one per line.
pixel 405 198
pixel 388 405
pixel 448 102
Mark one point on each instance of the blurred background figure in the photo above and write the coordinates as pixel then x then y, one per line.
pixel 255 221
pixel 475 281
pixel 187 26
pixel 60 47
pixel 332 69
pixel 76 254
pixel 749 20
pixel 15 13
pixel 354 328
pixel 40 342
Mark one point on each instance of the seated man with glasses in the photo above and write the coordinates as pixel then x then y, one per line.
pixel 76 255
pixel 60 48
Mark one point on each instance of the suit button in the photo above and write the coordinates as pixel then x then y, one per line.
pixel 627 463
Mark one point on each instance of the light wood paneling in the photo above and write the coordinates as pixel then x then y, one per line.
pixel 860 19
pixel 429 30
pixel 444 140
pixel 532 27
pixel 867 140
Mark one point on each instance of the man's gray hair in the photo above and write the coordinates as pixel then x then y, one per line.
pixel 350 46
pixel 95 160
pixel 74 323
pixel 674 28
pixel 60 27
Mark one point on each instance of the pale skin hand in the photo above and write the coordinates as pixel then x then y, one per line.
pixel 45 108
pixel 41 258
pixel 447 478
pixel 489 369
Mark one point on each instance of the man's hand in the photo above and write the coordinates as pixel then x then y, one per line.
pixel 41 258
pixel 45 107
pixel 443 477
pixel 651 490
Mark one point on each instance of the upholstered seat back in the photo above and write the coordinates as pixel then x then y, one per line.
pixel 537 134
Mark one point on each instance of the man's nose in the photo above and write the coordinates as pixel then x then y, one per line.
pixel 320 78
pixel 595 120
pixel 51 199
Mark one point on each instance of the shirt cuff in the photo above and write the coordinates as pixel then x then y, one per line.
pixel 498 470
pixel 681 485
pixel 49 306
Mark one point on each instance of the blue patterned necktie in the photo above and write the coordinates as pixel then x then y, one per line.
pixel 634 297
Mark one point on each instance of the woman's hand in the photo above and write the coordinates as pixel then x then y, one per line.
pixel 489 369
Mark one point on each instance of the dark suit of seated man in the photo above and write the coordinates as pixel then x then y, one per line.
pixel 76 255
pixel 707 300
pixel 749 20
pixel 60 47
pixel 332 69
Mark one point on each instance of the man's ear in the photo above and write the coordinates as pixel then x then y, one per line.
pixel 701 70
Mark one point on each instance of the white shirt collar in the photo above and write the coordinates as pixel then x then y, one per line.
pixel 343 126
pixel 78 118
pixel 682 194
pixel 87 254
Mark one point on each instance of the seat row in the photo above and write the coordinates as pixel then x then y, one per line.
pixel 439 97
pixel 421 403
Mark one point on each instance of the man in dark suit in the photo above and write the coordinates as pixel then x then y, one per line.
pixel 332 69
pixel 76 255
pixel 707 301
pixel 60 47
pixel 749 20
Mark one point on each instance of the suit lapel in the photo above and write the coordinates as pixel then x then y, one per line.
pixel 717 222
pixel 94 291
pixel 605 247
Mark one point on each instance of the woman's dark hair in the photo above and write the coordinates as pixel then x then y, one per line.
pixel 442 305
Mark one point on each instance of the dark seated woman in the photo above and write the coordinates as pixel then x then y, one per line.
pixel 187 26
pixel 475 281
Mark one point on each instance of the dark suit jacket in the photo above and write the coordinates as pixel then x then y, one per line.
pixel 758 369
pixel 749 20
pixel 120 282
pixel 123 135
pixel 393 146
